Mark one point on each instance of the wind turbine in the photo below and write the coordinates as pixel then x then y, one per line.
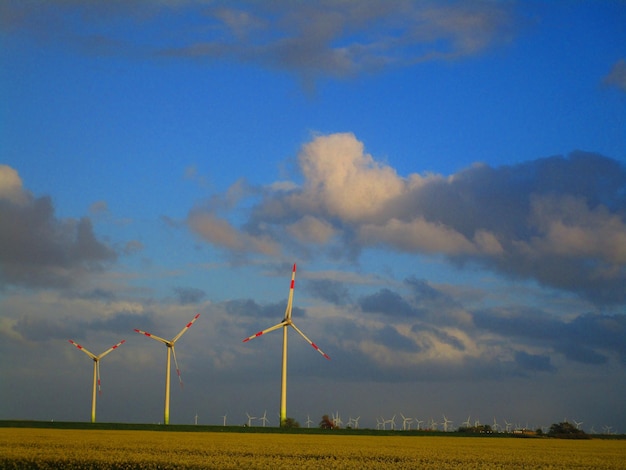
pixel 495 425
pixel 264 418
pixel 406 421
pixel 224 417
pixel 380 423
pixel 355 422
pixel 419 422
pixel 446 421
pixel 250 418
pixel 308 421
pixel 392 423
pixel 577 423
pixel 507 426
pixel 287 322
pixel 96 372
pixel 467 423
pixel 433 424
pixel 336 419
pixel 170 348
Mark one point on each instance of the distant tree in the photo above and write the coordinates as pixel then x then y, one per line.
pixel 290 423
pixel 566 430
pixel 326 423
pixel 480 429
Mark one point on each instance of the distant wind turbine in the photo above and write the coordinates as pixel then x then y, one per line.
pixel 406 422
pixel 287 322
pixel 96 372
pixel 170 348
pixel 336 419
pixel 250 418
pixel 264 418
pixel 495 425
pixel 309 421
pixel 446 421
pixel 392 423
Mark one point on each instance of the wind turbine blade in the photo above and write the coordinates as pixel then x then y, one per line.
pixel 290 299
pixel 150 335
pixel 185 329
pixel 271 328
pixel 111 349
pixel 90 354
pixel 310 342
pixel 177 369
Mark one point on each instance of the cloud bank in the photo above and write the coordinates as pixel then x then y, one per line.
pixel 560 221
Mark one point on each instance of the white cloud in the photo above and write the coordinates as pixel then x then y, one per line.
pixel 343 181
pixel 11 186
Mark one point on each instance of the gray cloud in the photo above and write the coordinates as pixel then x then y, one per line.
pixel 587 338
pixel 189 295
pixel 250 308
pixel 313 39
pixel 390 337
pixel 387 302
pixel 533 362
pixel 330 291
pixel 617 75
pixel 39 250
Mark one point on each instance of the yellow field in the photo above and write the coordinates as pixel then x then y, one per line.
pixel 98 449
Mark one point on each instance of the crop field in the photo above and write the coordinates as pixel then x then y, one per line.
pixel 27 448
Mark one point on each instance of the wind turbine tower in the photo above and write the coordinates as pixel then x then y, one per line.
pixel 96 372
pixel 170 351
pixel 287 322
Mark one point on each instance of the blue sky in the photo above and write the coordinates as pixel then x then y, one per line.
pixel 449 178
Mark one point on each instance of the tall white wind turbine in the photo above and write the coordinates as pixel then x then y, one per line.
pixel 96 372
pixel 287 322
pixel 170 348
